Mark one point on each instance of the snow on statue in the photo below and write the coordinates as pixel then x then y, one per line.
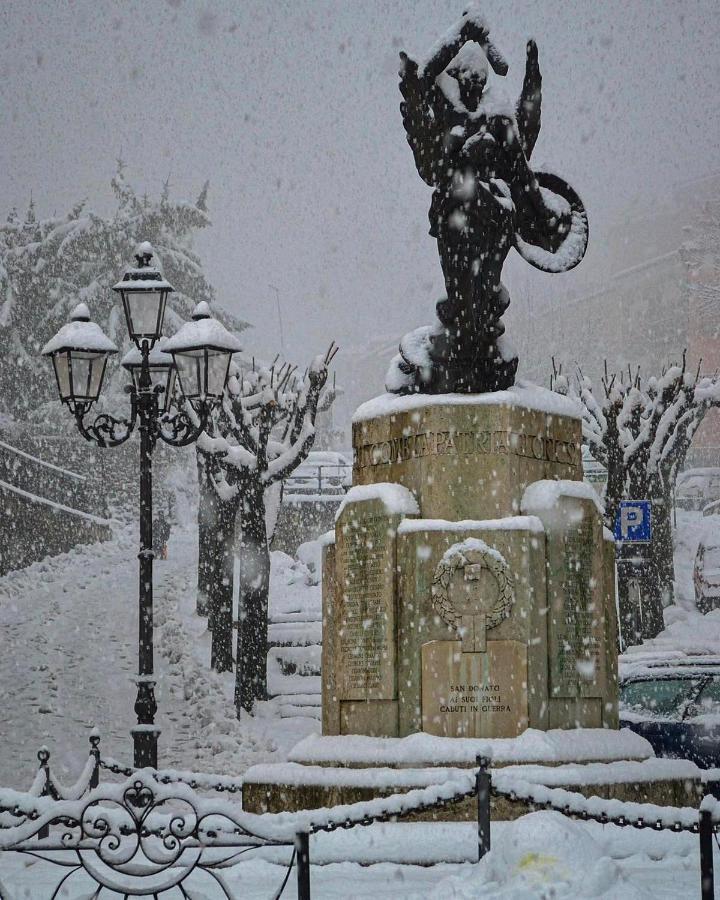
pixel 473 147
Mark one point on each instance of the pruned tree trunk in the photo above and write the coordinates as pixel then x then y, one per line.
pixel 221 592
pixel 252 643
pixel 206 521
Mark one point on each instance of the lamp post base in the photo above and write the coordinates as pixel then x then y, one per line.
pixel 145 746
pixel 145 733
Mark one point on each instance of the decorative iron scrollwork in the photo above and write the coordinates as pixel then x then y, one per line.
pixel 141 838
pixel 106 430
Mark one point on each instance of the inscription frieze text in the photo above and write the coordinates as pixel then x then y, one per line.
pixel 467 443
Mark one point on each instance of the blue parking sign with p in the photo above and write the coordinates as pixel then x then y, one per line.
pixel 633 524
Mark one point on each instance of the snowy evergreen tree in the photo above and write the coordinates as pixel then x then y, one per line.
pixel 48 266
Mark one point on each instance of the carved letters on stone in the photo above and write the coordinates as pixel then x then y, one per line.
pixel 366 609
pixel 574 644
pixel 467 443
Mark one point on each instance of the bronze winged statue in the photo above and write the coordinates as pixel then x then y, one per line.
pixel 473 148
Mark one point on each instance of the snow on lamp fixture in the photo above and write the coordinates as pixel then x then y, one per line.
pixel 202 350
pixel 161 368
pixel 79 353
pixel 144 293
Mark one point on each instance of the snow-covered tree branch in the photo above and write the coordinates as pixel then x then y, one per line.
pixel 264 431
pixel 641 431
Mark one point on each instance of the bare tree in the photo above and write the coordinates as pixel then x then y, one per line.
pixel 265 429
pixel 641 431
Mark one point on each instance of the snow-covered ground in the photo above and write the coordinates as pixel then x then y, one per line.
pixel 70 628
pixel 70 656
pixel 542 855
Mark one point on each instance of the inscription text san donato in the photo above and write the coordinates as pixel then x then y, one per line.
pixel 474 698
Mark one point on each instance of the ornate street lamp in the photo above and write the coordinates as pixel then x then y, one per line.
pixel 144 293
pixel 162 370
pixel 202 350
pixel 79 353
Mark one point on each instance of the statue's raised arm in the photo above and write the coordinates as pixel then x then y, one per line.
pixel 424 116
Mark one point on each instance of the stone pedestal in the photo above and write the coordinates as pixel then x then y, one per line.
pixel 470 589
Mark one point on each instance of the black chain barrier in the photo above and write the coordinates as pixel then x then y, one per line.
pixel 152 834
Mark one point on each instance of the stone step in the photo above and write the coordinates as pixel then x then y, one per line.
pixel 278 787
pixel 294 660
pixel 291 711
pixel 294 671
pixel 295 634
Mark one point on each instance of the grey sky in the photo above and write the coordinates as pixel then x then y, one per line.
pixel 291 110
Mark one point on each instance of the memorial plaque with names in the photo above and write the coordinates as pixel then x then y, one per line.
pixel 365 664
pixel 474 694
pixel 574 645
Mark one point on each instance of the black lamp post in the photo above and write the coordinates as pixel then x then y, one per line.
pixel 79 353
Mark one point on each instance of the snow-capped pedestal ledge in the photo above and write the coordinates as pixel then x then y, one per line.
pixel 396 499
pixel 544 496
pixel 580 745
pixel 331 771
pixel 521 394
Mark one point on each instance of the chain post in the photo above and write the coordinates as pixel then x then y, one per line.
pixel 95 753
pixel 482 792
pixel 707 875
pixel 302 850
pixel 44 760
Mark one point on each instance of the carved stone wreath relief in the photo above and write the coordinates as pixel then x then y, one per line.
pixel 473 590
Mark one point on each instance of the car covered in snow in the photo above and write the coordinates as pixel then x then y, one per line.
pixel 695 488
pixel 323 472
pixel 706 571
pixel 675 705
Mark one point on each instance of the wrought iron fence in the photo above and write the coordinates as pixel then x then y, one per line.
pixel 153 834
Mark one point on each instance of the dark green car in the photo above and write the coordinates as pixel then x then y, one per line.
pixel 675 705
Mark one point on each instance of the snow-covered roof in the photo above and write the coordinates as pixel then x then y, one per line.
pixel 203 331
pixel 157 357
pixel 522 393
pixel 80 334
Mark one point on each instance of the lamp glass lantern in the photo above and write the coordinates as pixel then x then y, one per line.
pixel 144 292
pixel 202 350
pixel 161 367
pixel 79 352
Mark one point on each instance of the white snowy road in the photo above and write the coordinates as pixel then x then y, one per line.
pixel 69 626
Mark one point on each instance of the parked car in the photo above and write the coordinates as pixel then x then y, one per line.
pixel 706 572
pixel 697 487
pixel 323 472
pixel 675 705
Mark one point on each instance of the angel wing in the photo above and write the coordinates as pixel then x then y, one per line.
pixel 529 102
pixel 424 134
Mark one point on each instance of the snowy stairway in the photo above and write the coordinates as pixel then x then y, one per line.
pixel 293 668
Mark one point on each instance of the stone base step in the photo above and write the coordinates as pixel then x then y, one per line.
pixel 294 634
pixel 292 711
pixel 292 786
